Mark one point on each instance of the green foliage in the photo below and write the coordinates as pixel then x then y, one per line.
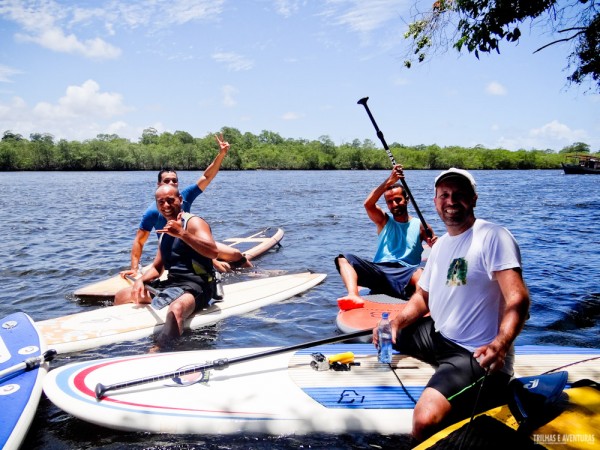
pixel 479 26
pixel 577 147
pixel 266 151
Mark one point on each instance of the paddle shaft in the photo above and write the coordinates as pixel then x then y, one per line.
pixel 363 101
pixel 28 364
pixel 223 363
pixel 148 287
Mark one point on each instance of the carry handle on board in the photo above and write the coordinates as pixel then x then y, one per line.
pixel 162 297
pixel 223 363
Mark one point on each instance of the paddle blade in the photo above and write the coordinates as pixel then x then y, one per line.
pixel 166 297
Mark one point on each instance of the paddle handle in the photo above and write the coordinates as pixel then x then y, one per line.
pixel 223 363
pixel 28 364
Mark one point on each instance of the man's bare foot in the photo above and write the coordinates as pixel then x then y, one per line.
pixel 350 302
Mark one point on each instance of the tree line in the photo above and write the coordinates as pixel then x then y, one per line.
pixel 265 151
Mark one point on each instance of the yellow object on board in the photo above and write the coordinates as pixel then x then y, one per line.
pixel 342 358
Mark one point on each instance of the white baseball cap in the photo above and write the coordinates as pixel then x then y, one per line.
pixel 454 172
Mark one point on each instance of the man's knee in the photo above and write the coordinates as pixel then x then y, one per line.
pixel 339 261
pixel 430 411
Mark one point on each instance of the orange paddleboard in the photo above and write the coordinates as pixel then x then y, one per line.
pixel 367 317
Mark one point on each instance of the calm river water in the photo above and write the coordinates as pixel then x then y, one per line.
pixel 64 230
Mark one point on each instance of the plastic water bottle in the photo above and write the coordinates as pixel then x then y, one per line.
pixel 384 330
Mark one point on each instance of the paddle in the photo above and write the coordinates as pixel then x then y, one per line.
pixel 28 364
pixel 363 101
pixel 162 297
pixel 223 363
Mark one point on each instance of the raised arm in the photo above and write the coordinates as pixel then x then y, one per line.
pixel 213 168
pixel 375 213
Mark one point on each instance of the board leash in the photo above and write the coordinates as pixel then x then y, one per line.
pixel 466 433
pixel 571 364
pixel 402 384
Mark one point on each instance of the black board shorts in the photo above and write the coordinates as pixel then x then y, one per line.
pixel 388 278
pixel 201 291
pixel 458 376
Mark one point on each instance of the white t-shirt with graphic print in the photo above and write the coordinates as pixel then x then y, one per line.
pixel 465 300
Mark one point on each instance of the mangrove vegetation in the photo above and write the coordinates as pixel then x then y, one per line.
pixel 266 151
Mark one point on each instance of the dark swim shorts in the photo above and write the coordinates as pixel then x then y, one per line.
pixel 381 278
pixel 202 292
pixel 458 375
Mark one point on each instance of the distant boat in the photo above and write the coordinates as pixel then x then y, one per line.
pixel 582 164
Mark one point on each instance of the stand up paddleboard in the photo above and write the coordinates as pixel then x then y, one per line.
pixel 279 394
pixel 112 324
pixel 367 317
pixel 20 384
pixel 252 245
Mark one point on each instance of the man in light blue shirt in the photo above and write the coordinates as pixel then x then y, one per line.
pixel 396 267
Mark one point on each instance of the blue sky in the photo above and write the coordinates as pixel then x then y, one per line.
pixel 294 67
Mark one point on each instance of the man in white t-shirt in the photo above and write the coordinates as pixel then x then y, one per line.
pixel 473 288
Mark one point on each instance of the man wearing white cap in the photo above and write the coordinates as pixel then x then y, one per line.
pixel 473 288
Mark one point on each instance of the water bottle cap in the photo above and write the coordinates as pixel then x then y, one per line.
pixel 385 315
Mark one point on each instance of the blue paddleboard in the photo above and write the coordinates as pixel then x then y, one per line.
pixel 20 387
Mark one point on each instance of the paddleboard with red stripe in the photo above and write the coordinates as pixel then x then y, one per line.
pixel 278 394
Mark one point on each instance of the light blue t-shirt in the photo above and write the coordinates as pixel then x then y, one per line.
pixel 152 219
pixel 400 242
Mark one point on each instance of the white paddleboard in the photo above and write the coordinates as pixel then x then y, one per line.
pixel 252 244
pixel 279 394
pixel 112 324
pixel 19 394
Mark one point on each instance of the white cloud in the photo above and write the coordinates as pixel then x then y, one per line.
pixel 553 135
pixel 6 74
pixel 558 131
pixel 292 116
pixel 228 96
pixel 233 61
pixel 40 25
pixel 183 11
pixel 55 39
pixel 495 88
pixel 57 26
pixel 287 8
pixel 85 100
pixel 83 112
pixel 16 110
pixel 364 16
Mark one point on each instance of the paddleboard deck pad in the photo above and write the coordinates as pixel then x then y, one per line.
pixel 19 393
pixel 357 319
pixel 112 324
pixel 278 394
pixel 252 244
